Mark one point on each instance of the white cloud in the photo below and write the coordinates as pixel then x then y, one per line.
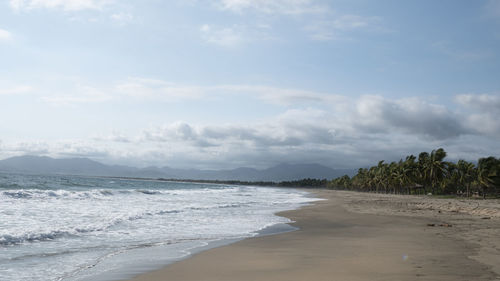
pixel 115 136
pixel 5 35
pixel 319 20
pixel 24 147
pixel 409 116
pixel 368 123
pixel 284 96
pixel 285 130
pixel 155 90
pixel 484 123
pixel 141 89
pixel 370 114
pixel 60 148
pixel 16 90
pixel 363 130
pixel 307 126
pixel 485 112
pixel 122 18
pixel 151 89
pixel 81 95
pixel 291 7
pixel 256 144
pixel 483 102
pixel 67 5
pixel 367 129
pixel 337 28
pixel 229 36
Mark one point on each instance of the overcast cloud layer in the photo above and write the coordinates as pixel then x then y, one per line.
pixel 224 84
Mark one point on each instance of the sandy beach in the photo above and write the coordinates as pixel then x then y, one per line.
pixel 359 236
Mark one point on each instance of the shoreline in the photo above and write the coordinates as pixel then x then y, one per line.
pixel 133 261
pixel 134 269
pixel 335 241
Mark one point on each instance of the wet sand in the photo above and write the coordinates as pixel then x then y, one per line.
pixel 359 236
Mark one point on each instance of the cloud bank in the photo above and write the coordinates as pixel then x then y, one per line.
pixel 289 7
pixel 66 5
pixel 5 35
pixel 336 130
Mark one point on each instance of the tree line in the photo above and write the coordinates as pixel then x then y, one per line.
pixel 308 182
pixel 427 173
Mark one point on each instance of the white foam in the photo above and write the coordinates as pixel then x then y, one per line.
pixel 54 233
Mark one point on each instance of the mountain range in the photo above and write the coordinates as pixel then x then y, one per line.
pixel 84 166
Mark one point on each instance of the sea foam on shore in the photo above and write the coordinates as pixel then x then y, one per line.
pixel 77 228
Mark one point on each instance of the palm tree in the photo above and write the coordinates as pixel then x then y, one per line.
pixel 488 173
pixel 372 179
pixel 381 175
pixel 361 179
pixel 466 173
pixel 422 171
pixel 429 170
pixel 397 174
pixel 449 182
pixel 410 170
pixel 435 168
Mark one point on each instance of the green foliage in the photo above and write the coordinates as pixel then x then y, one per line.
pixel 427 173
pixel 343 182
pixel 488 174
pixel 304 183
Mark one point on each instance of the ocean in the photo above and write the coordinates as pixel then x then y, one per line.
pixel 84 228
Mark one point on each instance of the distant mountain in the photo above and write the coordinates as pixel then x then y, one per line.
pixel 84 166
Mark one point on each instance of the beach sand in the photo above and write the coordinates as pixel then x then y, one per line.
pixel 359 236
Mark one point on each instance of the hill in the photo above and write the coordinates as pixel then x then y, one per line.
pixel 84 166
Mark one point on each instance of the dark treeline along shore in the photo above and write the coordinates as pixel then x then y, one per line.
pixel 296 183
pixel 427 173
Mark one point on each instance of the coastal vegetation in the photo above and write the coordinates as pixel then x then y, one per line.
pixel 308 182
pixel 428 173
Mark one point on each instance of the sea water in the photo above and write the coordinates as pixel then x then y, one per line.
pixel 84 228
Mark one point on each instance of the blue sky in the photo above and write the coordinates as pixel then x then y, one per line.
pixel 228 83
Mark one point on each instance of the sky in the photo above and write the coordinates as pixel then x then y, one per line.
pixel 219 84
